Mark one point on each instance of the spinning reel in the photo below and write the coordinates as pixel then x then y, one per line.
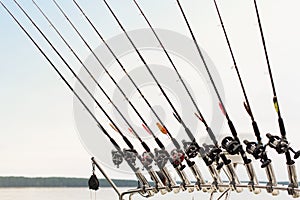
pixel 191 148
pixel 231 145
pixel 258 151
pixel 281 145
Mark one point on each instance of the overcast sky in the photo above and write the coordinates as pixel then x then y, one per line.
pixel 38 132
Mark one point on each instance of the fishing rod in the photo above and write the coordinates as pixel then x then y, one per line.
pixel 163 128
pixel 280 144
pixel 191 151
pixel 177 156
pixel 130 162
pixel 148 157
pixel 214 153
pixel 257 149
pixel 231 144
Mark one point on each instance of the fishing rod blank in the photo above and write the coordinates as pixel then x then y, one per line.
pixel 136 170
pixel 161 153
pixel 146 162
pixel 280 144
pixel 258 150
pixel 231 144
pixel 162 127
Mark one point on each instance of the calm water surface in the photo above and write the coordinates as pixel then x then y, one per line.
pixel 108 194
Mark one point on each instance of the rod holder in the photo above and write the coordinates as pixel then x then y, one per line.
pixel 157 181
pixel 144 182
pixel 272 180
pixel 171 183
pixel 216 179
pixel 253 179
pixel 200 180
pixel 293 181
pixel 185 180
pixel 234 180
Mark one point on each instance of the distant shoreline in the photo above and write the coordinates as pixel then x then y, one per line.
pixel 25 182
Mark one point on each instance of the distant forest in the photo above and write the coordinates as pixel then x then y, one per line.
pixel 58 182
pixel 68 182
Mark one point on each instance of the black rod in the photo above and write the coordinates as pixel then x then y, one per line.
pixel 132 81
pixel 230 124
pixel 246 103
pixel 115 144
pixel 175 113
pixel 200 115
pixel 275 99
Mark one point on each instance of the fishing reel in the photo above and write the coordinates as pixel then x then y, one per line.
pixel 177 157
pixel 117 158
pixel 191 148
pixel 161 157
pixel 147 159
pixel 130 156
pixel 231 145
pixel 213 153
pixel 258 151
pixel 281 145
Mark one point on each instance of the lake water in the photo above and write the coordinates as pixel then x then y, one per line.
pixel 108 194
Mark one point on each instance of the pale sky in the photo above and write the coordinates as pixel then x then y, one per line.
pixel 38 132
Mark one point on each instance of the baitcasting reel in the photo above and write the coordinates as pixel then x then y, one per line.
pixel 281 145
pixel 161 157
pixel 147 159
pixel 117 158
pixel 231 145
pixel 177 157
pixel 213 153
pixel 191 148
pixel 258 151
pixel 130 156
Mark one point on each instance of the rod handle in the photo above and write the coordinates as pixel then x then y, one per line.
pixel 159 143
pixel 128 142
pixel 175 142
pixel 211 135
pixel 233 130
pixel 115 144
pixel 281 127
pixel 146 147
pixel 256 131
